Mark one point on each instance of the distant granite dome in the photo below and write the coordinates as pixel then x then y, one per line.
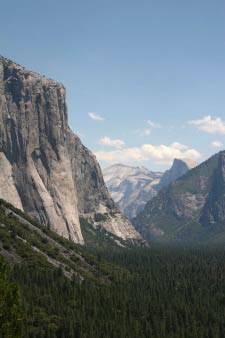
pixel 191 208
pixel 178 169
pixel 45 169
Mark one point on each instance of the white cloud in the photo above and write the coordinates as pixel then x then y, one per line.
pixel 107 141
pixel 147 131
pixel 160 155
pixel 216 144
pixel 153 124
pixel 210 125
pixel 96 117
pixel 179 146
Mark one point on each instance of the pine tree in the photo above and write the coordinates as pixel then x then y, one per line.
pixel 10 307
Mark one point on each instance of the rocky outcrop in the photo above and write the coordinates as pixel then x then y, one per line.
pixel 50 174
pixel 214 208
pixel 8 190
pixel 91 189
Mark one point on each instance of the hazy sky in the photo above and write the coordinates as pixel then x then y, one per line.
pixel 145 79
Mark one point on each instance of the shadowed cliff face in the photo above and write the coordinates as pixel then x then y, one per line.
pixel 51 175
pixel 214 209
pixel 178 169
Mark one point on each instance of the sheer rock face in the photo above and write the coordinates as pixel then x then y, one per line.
pixel 214 208
pixel 50 174
pixel 88 177
pixel 8 190
pixel 178 169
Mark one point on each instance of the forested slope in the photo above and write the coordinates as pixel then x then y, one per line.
pixel 68 291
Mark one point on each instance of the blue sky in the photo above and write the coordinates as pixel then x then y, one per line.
pixel 154 71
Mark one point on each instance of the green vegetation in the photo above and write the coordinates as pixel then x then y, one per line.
pixel 196 180
pixel 11 319
pixel 100 217
pixel 98 237
pixel 105 291
pixel 33 244
pixel 163 293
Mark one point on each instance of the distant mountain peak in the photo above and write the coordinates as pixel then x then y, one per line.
pixel 179 168
pixel 189 162
pixel 192 208
pixel 131 187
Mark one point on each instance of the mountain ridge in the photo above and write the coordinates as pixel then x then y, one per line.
pixel 184 210
pixel 132 187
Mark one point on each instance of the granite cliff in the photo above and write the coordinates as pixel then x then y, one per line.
pixel 214 209
pixel 178 169
pixel 45 170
